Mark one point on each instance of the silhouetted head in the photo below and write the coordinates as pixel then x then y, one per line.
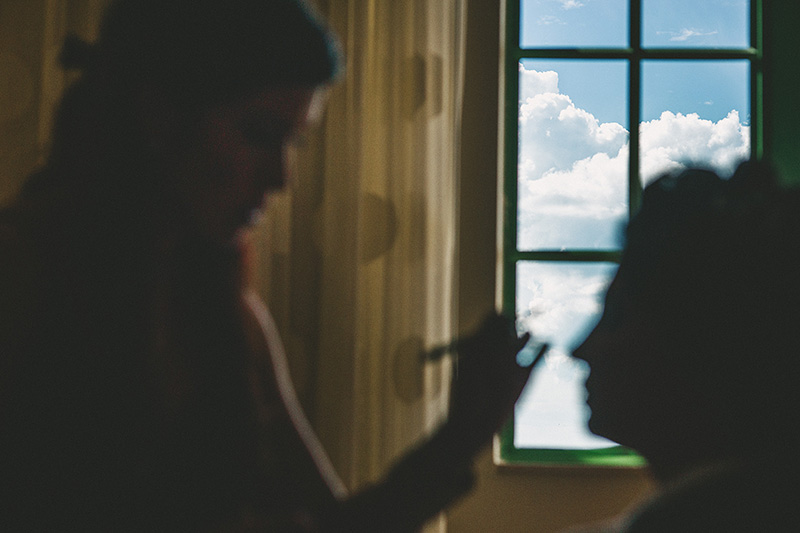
pixel 697 349
pixel 203 52
pixel 194 101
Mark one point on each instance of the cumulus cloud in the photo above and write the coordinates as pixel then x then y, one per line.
pixel 573 169
pixel 675 141
pixel 533 82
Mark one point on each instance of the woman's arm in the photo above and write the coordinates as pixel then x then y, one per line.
pixel 438 471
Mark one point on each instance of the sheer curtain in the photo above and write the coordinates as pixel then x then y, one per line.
pixel 358 258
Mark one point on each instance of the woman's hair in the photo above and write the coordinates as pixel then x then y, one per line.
pixel 714 262
pixel 210 50
pixel 702 248
pixel 192 54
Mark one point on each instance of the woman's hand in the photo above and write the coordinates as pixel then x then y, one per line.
pixel 486 383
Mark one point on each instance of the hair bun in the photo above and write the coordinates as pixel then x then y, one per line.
pixel 76 53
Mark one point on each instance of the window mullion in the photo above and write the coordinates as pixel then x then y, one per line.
pixel 756 81
pixel 511 157
pixel 646 53
pixel 634 112
pixel 611 256
pixel 634 105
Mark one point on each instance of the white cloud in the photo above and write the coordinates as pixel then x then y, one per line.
pixel 673 142
pixel 685 34
pixel 570 4
pixel 583 206
pixel 548 20
pixel 573 169
pixel 554 133
pixel 533 83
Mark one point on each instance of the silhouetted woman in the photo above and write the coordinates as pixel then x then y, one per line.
pixel 695 360
pixel 142 387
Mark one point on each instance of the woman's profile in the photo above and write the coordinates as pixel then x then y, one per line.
pixel 694 361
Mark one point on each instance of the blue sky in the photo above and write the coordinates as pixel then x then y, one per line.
pixel 604 23
pixel 679 86
pixel 573 165
pixel 573 23
pixel 688 23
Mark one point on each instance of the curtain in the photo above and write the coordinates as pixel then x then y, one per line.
pixel 358 257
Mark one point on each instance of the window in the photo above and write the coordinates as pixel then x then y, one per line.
pixel 577 75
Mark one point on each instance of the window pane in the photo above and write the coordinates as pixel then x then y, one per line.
pixel 694 113
pixel 573 154
pixel 693 24
pixel 573 23
pixel 559 303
